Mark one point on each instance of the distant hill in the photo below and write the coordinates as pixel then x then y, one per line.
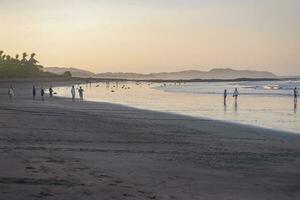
pixel 184 75
pixel 74 71
pixel 192 74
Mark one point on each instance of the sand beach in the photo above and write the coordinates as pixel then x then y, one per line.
pixel 59 149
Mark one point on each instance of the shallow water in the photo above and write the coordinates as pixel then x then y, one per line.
pixel 266 104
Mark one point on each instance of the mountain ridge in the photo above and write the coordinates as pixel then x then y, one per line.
pixel 216 73
pixel 76 72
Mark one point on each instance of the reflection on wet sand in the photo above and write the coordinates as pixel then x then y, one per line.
pixel 253 109
pixel 235 107
pixel 225 109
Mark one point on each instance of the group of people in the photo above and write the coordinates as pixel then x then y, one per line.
pixel 42 92
pixel 11 92
pixel 80 92
pixel 236 94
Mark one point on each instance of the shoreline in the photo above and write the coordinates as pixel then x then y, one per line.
pixel 262 128
pixel 74 81
pixel 231 121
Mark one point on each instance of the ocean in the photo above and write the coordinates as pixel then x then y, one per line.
pixel 268 104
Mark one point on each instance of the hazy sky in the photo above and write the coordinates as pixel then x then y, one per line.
pixel 155 35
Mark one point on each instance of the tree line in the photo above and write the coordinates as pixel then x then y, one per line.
pixel 23 67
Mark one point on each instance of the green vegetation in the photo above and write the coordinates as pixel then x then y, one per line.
pixel 13 67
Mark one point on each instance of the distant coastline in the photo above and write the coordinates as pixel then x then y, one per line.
pixel 92 80
pixel 217 73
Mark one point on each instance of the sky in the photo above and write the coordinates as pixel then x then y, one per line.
pixel 155 35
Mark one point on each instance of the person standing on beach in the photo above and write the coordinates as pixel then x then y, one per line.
pixel 236 94
pixel 80 91
pixel 73 93
pixel 296 93
pixel 50 91
pixel 33 92
pixel 42 93
pixel 225 96
pixel 11 93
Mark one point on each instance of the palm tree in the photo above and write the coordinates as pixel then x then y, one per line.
pixel 24 60
pixel 21 67
pixel 32 60
pixel 1 52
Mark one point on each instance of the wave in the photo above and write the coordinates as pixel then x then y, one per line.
pixel 248 88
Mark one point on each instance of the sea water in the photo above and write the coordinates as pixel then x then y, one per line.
pixel 268 104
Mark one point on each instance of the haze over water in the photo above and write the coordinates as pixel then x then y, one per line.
pixel 266 104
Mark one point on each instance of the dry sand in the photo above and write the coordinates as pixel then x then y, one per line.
pixel 58 149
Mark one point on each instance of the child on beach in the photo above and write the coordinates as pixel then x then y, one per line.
pixel 11 93
pixel 236 94
pixel 73 93
pixel 80 91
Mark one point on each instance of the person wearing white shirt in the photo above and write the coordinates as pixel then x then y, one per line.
pixel 236 94
pixel 73 93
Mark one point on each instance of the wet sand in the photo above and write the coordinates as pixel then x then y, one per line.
pixel 58 149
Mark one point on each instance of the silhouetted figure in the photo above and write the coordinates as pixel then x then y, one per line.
pixel 236 94
pixel 42 93
pixel 33 92
pixel 50 91
pixel 80 91
pixel 225 96
pixel 73 93
pixel 11 93
pixel 296 93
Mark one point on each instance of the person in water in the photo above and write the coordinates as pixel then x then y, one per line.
pixel 11 93
pixel 80 91
pixel 33 92
pixel 73 93
pixel 50 91
pixel 296 93
pixel 42 93
pixel 236 94
pixel 225 96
